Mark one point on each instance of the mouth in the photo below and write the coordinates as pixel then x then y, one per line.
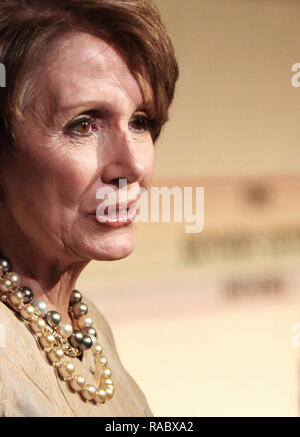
pixel 117 215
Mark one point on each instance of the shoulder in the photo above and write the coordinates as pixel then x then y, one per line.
pixel 101 323
pixel 15 364
pixel 27 382
pixel 129 388
pixel 10 331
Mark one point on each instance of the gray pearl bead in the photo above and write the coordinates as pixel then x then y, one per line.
pixel 40 305
pixel 28 294
pixel 79 309
pixel 76 339
pixel 76 296
pixel 5 265
pixel 53 318
pixel 89 331
pixel 87 342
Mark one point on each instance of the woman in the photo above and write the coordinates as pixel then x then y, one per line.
pixel 88 89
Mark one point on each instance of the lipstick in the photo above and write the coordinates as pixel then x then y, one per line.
pixel 121 215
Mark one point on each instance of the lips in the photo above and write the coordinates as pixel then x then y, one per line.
pixel 119 214
pixel 118 209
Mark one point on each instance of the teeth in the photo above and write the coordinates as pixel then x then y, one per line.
pixel 114 211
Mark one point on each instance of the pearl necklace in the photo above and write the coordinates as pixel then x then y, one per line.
pixel 58 339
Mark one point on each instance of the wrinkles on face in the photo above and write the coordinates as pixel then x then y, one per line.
pixel 46 226
pixel 61 172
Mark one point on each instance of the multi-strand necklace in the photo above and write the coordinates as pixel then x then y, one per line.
pixel 58 339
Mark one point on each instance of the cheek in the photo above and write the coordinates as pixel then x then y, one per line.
pixel 71 177
pixel 150 159
pixel 74 172
pixel 56 179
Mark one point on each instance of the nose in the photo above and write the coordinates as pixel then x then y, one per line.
pixel 125 158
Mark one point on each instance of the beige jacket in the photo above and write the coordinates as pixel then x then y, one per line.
pixel 30 387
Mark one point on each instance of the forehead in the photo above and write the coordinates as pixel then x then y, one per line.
pixel 81 67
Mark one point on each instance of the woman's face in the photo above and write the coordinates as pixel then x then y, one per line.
pixel 87 129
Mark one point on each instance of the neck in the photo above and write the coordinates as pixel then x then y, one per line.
pixel 50 277
pixel 54 287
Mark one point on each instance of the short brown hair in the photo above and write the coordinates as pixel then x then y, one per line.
pixel 133 26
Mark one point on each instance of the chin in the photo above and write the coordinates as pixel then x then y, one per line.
pixel 114 247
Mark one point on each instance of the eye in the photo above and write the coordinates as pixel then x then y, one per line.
pixel 83 127
pixel 140 122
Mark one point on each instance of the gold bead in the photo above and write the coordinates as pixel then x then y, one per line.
pixel 101 396
pixel 38 325
pixel 55 355
pixel 103 361
pixel 89 392
pixel 14 278
pixel 85 321
pixel 6 285
pixel 66 370
pixel 17 297
pixel 97 349
pixel 47 340
pixel 77 382
pixel 65 330
pixel 28 311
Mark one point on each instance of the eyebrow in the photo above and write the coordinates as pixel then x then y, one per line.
pixel 104 107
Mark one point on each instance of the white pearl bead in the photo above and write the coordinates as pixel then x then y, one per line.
pixel 28 311
pixel 85 321
pixel 65 330
pixel 77 382
pixel 38 325
pixel 101 396
pixel 103 361
pixel 94 339
pixel 106 374
pixel 55 355
pixel 110 387
pixel 89 392
pixel 97 348
pixel 107 381
pixel 109 393
pixel 47 340
pixel 66 369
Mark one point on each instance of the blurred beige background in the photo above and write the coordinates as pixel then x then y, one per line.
pixel 203 322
